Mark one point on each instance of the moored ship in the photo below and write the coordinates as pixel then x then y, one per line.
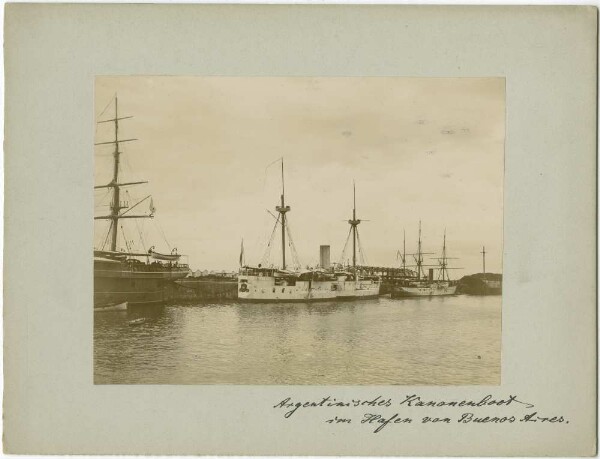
pixel 269 284
pixel 422 285
pixel 353 283
pixel 124 277
pixel 482 283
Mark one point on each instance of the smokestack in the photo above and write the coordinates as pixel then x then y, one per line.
pixel 325 257
pixel 431 274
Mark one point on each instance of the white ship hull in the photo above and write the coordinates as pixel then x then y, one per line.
pixel 256 288
pixel 435 289
pixel 358 289
pixel 272 289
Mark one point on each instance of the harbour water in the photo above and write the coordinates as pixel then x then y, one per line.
pixel 453 340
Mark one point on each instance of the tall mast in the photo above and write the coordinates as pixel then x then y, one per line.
pixel 404 253
pixel 115 206
pixel 444 257
pixel 282 211
pixel 483 252
pixel 419 254
pixel 354 223
pixel 354 226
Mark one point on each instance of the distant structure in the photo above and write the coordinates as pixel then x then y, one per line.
pixel 325 258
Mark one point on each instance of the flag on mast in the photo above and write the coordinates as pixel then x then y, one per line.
pixel 242 253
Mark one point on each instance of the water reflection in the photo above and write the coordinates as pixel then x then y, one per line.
pixel 445 340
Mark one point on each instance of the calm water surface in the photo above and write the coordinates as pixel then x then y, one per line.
pixel 425 341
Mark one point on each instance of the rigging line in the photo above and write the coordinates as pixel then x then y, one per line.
pixel 163 234
pixel 274 162
pixel 295 257
pixel 99 234
pixel 267 253
pixel 136 204
pixel 107 105
pixel 363 256
pixel 102 113
pixel 140 233
pixel 343 255
pixel 125 239
pixel 266 168
pixel 128 167
pixel 107 234
pixel 106 194
pixel 345 249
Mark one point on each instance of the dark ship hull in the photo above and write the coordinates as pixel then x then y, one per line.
pixel 119 284
pixel 477 284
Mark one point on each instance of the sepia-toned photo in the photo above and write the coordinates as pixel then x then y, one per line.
pixel 301 231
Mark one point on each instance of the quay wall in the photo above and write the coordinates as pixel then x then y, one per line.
pixel 201 290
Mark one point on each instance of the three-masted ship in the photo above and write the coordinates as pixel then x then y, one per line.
pixel 123 277
pixel 423 284
pixel 269 284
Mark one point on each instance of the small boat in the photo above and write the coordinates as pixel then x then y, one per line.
pixel 111 307
pixel 134 322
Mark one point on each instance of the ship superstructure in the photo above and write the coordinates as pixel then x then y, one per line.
pixel 122 276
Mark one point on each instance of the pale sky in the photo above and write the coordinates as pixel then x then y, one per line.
pixel 418 148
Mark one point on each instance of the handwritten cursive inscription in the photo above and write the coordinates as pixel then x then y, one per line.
pixel 380 412
pixel 488 400
pixel 330 402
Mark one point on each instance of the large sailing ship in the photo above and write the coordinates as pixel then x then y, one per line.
pixel 124 277
pixel 426 284
pixel 269 284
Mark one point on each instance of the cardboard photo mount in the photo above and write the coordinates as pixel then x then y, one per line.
pixel 53 52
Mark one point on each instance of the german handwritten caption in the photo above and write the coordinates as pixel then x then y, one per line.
pixel 380 412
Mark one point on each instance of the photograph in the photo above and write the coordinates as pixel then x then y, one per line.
pixel 318 230
pixel 298 230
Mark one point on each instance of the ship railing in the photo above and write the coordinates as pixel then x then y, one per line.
pixel 250 271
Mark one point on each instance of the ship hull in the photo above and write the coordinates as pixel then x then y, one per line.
pixel 265 289
pixel 268 289
pixel 423 290
pixel 117 283
pixel 492 287
pixel 477 285
pixel 358 289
